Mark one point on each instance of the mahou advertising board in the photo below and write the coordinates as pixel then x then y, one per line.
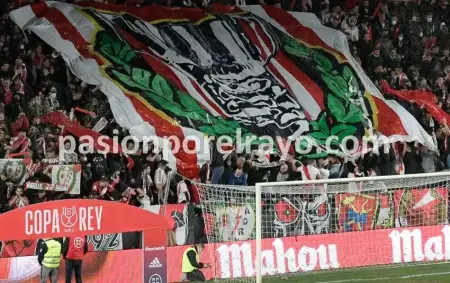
pixel 282 255
pixel 321 252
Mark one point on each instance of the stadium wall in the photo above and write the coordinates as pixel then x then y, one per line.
pixel 280 255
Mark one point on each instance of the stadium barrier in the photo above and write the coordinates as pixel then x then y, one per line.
pixel 80 218
pixel 280 255
pixel 286 228
pixel 303 227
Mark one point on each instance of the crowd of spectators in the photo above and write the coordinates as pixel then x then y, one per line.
pixel 405 43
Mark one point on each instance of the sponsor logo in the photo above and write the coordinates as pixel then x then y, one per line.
pixel 78 242
pixel 147 249
pixel 304 258
pixel 411 246
pixel 155 278
pixel 40 222
pixel 155 263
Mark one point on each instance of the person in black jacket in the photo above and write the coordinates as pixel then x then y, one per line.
pixel 217 164
pixel 191 265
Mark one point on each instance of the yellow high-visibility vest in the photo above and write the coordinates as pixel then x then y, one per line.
pixel 52 257
pixel 186 265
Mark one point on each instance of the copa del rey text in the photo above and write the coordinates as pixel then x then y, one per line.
pixel 40 222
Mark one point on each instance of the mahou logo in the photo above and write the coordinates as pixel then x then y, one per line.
pixel 66 219
pixel 237 260
pixel 411 245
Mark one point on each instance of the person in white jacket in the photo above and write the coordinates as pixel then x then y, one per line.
pixel 161 180
pixel 352 30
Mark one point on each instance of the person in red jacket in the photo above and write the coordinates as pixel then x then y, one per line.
pixel 73 252
pixel 21 125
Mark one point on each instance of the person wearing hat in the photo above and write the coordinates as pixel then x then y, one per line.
pixel 352 29
pixel 49 257
pixel 191 264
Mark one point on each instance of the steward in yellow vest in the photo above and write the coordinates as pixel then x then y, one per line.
pixel 191 264
pixel 49 257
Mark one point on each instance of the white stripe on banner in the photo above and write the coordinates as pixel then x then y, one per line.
pixel 23 16
pixel 84 26
pixel 260 40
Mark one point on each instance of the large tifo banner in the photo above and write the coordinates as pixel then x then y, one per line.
pixel 280 256
pixel 191 73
